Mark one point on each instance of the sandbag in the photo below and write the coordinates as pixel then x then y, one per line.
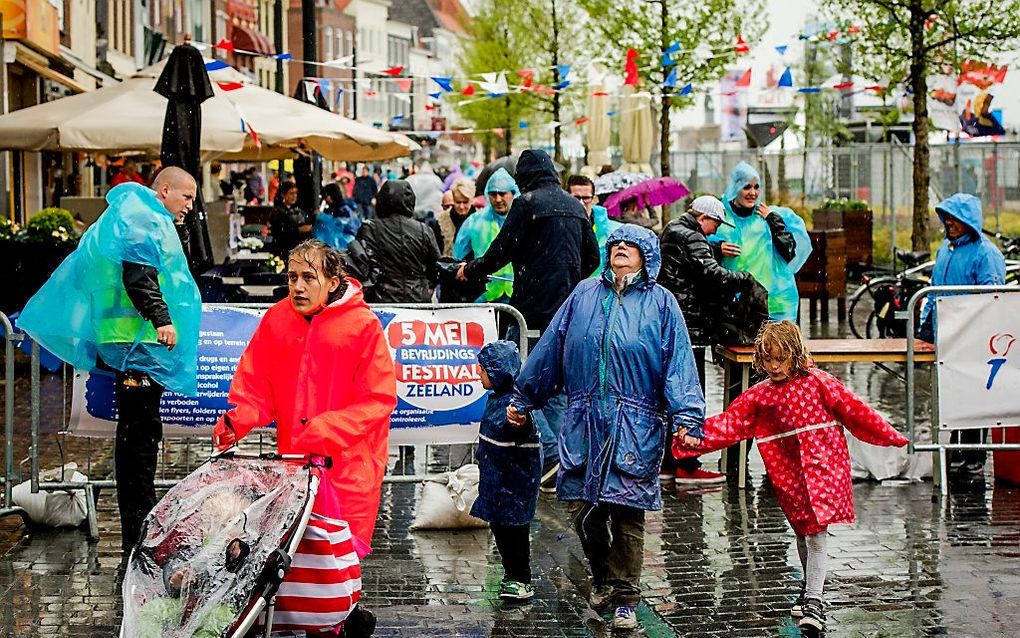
pixel 65 508
pixel 446 501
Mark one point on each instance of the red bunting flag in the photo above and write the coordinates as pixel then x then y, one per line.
pixel 429 107
pixel 599 94
pixel 224 45
pixel 404 84
pixel 393 71
pixel 741 46
pixel 581 120
pixel 745 79
pixel 527 76
pixel 630 70
pixel 544 90
pixel 230 86
pixel 498 131
pixel 843 85
pixel 371 93
pixel 468 90
pixel 853 29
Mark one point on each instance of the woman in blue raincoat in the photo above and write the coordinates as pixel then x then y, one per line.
pixel 337 225
pixel 480 229
pixel 618 347
pixel 510 464
pixel 770 243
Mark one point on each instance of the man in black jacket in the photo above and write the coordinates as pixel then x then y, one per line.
pixel 691 272
pixel 402 251
pixel 548 238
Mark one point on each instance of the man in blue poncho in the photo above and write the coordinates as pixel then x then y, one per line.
pixel 771 243
pixel 480 229
pixel 965 258
pixel 125 301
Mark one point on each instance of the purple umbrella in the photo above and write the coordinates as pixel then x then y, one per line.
pixel 654 192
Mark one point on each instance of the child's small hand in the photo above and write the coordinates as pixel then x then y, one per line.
pixel 515 417
pixel 690 442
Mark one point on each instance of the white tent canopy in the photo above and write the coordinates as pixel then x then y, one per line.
pixel 129 117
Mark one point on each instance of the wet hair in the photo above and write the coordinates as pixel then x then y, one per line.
pixel 785 337
pixel 332 263
pixel 580 180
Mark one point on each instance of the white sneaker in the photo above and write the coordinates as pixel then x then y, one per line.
pixel 624 618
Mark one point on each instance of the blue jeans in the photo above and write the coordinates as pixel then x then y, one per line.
pixel 549 418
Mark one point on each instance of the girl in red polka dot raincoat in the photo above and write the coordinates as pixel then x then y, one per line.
pixel 796 416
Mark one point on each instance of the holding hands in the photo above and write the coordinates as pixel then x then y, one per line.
pixel 686 441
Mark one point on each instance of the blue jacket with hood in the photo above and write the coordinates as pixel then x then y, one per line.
pixel 968 260
pixel 509 458
pixel 625 362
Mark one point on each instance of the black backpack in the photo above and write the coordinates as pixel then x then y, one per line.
pixel 741 316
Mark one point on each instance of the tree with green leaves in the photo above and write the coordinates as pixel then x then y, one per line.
pixel 705 32
pixel 922 37
pixel 535 37
pixel 498 39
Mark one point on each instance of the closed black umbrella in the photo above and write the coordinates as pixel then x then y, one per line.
pixel 185 84
pixel 308 168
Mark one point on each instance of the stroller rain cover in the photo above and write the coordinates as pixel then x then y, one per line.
pixel 205 544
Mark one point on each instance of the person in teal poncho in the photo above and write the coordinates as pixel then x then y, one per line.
pixel 770 243
pixel 125 301
pixel 582 189
pixel 478 231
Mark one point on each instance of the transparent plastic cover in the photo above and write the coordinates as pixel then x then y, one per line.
pixel 205 545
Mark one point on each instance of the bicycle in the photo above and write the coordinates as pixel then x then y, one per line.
pixel 889 293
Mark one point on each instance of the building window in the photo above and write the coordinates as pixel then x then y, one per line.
pixel 327 44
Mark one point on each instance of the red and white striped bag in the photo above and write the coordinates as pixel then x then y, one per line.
pixel 324 582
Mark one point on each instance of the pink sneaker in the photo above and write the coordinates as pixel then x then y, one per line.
pixel 699 476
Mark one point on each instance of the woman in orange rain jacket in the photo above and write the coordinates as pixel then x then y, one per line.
pixel 319 367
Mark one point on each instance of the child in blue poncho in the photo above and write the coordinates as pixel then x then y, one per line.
pixel 510 462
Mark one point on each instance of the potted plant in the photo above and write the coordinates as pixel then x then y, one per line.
pixel 47 239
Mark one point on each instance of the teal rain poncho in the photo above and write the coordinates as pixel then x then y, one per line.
pixel 83 311
pixel 758 255
pixel 478 231
pixel 604 227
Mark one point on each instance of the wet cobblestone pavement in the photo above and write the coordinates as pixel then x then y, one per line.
pixel 718 562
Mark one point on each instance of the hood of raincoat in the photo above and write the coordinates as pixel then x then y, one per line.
pixel 501 361
pixel 646 241
pixel 500 182
pixel 742 175
pixel 964 207
pixel 396 197
pixel 534 170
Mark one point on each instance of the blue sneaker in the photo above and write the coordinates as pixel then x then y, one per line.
pixel 624 618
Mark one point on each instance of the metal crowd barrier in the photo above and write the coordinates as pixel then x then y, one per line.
pixel 10 338
pixel 93 486
pixel 937 446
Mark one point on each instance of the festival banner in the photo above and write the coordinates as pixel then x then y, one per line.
pixel 435 353
pixel 978 360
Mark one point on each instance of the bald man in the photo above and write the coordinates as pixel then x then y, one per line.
pixel 124 302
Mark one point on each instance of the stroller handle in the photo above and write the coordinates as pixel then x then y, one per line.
pixel 314 460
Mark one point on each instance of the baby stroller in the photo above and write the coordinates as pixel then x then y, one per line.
pixel 215 552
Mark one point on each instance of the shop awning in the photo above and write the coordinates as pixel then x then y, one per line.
pixel 48 73
pixel 250 40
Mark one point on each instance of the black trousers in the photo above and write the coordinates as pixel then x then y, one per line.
pixel 968 456
pixel 136 452
pixel 514 545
